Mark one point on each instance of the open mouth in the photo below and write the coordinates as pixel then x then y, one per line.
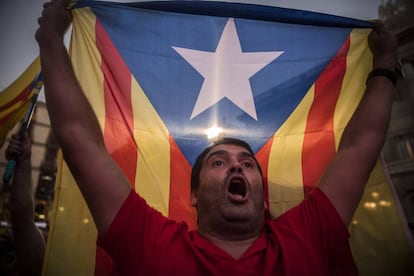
pixel 237 189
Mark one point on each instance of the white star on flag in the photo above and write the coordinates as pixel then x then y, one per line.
pixel 227 72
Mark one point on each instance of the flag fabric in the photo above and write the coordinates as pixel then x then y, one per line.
pixel 161 75
pixel 15 99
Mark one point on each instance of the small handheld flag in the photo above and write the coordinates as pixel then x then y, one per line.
pixel 37 86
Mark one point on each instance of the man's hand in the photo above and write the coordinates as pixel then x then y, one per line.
pixel 54 21
pixel 19 149
pixel 383 45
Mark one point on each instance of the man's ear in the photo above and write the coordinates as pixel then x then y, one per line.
pixel 193 199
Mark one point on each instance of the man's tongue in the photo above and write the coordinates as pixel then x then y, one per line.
pixel 237 197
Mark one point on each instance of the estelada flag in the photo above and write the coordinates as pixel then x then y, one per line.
pixel 16 98
pixel 161 75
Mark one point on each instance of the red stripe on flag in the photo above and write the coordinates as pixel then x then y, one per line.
pixel 262 157
pixel 21 97
pixel 119 122
pixel 9 116
pixel 180 208
pixel 319 140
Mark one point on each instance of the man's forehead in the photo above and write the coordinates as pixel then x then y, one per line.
pixel 228 149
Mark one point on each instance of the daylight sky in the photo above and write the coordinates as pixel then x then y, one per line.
pixel 18 23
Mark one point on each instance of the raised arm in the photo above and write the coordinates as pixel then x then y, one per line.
pixel 74 123
pixel 28 240
pixel 363 138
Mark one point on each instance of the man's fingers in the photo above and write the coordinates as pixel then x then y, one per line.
pixel 379 26
pixel 48 7
pixel 13 150
pixel 47 4
pixel 64 3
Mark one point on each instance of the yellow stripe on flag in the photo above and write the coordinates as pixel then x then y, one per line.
pixel 359 58
pixel 153 167
pixel 285 172
pixel 87 61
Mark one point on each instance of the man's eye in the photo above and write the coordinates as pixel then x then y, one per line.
pixel 218 163
pixel 248 165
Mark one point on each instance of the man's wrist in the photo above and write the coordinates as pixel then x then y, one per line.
pixel 388 61
pixel 23 162
pixel 383 72
pixel 50 41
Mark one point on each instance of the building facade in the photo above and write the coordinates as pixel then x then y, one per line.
pixel 398 151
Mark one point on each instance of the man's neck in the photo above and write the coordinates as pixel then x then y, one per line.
pixel 235 248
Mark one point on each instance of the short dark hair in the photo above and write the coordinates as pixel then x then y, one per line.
pixel 195 172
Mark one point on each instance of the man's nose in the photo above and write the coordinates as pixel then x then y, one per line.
pixel 235 168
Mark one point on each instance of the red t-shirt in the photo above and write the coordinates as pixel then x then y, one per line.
pixel 309 239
